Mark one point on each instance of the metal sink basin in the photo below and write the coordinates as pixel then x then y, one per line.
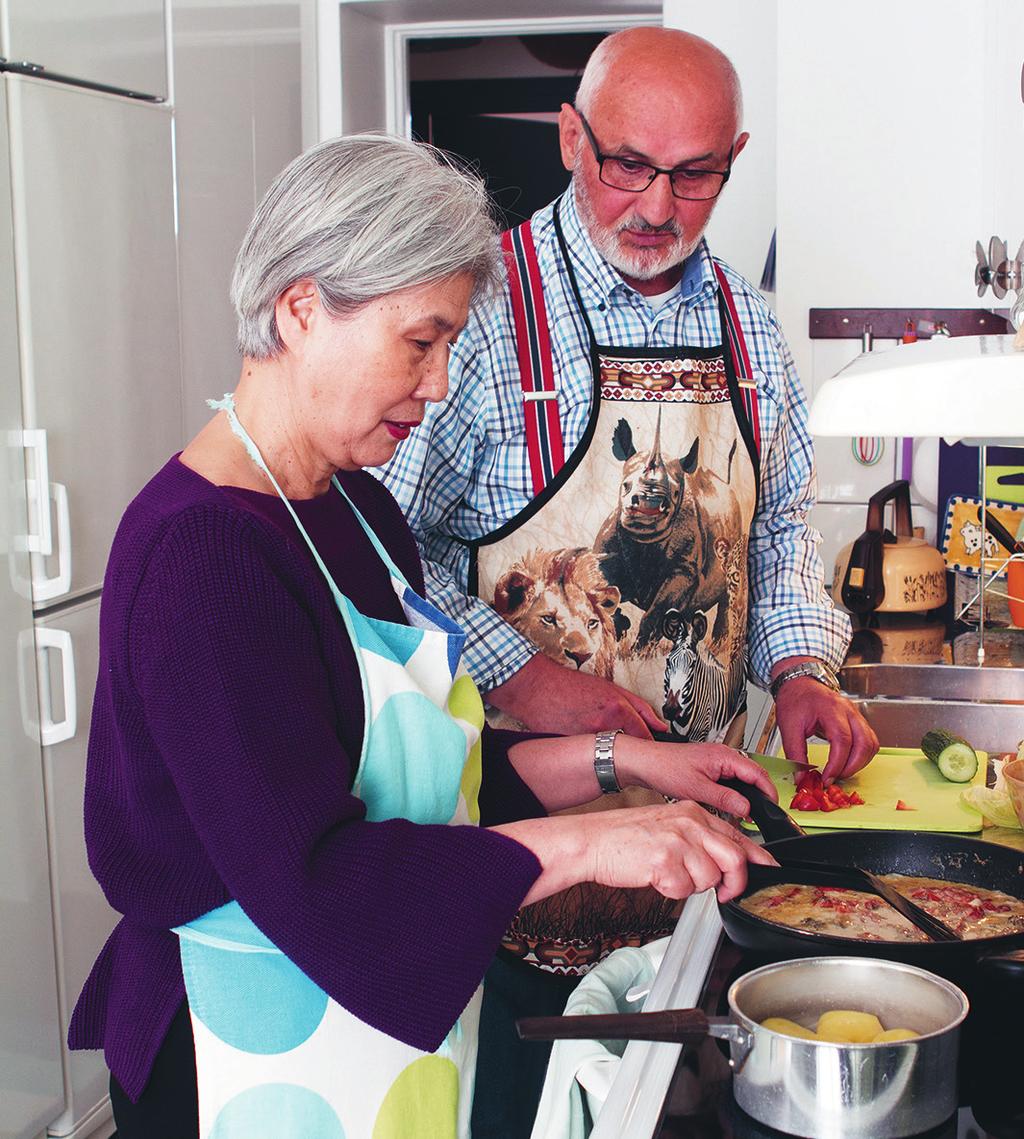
pixel 901 702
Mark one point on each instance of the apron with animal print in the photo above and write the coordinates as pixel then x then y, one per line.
pixel 630 562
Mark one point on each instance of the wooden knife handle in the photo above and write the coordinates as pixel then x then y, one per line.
pixel 677 1026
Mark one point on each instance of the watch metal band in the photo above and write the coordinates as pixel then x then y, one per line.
pixel 604 761
pixel 815 669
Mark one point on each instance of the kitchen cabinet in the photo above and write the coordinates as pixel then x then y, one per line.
pixel 67 647
pixel 93 396
pixel 31 1083
pixel 119 43
pixel 94 232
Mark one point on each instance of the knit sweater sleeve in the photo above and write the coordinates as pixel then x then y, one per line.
pixel 227 658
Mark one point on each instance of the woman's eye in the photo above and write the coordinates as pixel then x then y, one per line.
pixel 423 345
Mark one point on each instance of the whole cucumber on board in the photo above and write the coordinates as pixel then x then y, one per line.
pixel 951 754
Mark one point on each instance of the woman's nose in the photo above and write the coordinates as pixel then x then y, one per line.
pixel 433 383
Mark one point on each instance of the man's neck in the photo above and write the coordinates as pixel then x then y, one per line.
pixel 663 283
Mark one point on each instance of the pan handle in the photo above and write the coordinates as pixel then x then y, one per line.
pixel 676 1026
pixel 771 820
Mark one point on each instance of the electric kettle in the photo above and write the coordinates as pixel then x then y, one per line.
pixel 882 572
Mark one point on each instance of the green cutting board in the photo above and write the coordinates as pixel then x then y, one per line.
pixel 895 773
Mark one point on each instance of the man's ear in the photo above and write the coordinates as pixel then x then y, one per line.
pixel 296 309
pixel 570 132
pixel 738 146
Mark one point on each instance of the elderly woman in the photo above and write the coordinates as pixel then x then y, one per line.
pixel 286 766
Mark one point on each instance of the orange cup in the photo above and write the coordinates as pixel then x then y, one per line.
pixel 1015 588
pixel 1013 774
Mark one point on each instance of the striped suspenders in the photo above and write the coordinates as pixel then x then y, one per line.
pixel 533 348
pixel 536 371
pixel 740 356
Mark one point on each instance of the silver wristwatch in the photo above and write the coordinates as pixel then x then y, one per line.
pixel 815 669
pixel 604 761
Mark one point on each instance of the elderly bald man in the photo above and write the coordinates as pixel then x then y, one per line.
pixel 613 498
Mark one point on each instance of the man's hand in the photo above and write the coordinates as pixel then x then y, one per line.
pixel 804 708
pixel 547 697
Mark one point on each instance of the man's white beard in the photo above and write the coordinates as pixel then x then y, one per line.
pixel 640 264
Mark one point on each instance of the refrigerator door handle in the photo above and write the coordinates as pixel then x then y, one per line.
pixel 46 588
pixel 56 731
pixel 41 542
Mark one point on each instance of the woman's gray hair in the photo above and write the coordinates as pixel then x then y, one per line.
pixel 362 216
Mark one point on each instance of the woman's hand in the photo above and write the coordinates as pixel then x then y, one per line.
pixel 678 848
pixel 691 771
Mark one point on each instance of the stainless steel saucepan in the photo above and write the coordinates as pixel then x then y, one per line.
pixel 816 1088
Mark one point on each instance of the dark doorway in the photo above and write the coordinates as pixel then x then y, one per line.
pixel 504 124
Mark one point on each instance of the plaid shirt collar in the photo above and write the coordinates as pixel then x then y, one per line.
pixel 600 283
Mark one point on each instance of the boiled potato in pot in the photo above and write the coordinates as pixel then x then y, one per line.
pixel 841 1026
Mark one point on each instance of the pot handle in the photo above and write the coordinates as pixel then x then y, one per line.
pixel 771 820
pixel 675 1026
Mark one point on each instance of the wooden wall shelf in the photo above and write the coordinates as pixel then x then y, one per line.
pixel 889 323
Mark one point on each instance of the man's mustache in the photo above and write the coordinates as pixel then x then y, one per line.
pixel 639 225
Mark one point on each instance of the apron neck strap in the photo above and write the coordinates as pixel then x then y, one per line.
pixel 227 405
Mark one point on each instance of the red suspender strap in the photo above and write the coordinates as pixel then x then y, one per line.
pixel 533 348
pixel 740 356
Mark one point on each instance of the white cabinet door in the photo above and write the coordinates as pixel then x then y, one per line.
pixel 31 1088
pixel 884 184
pixel 82 918
pixel 120 43
pixel 97 301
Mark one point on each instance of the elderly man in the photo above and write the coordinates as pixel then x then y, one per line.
pixel 621 474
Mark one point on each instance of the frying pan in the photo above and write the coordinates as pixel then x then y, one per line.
pixel 952 858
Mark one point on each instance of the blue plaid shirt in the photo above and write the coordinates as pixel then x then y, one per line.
pixel 465 471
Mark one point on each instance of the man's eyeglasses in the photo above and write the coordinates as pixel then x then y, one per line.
pixel 695 184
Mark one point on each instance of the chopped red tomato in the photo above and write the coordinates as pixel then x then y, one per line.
pixel 901 806
pixel 813 795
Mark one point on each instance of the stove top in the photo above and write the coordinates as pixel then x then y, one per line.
pixel 700 1105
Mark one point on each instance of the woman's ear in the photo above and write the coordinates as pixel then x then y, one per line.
pixel 296 310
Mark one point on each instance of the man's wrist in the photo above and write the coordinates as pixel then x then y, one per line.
pixel 809 667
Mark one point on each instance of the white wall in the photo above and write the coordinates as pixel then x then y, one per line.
pixel 238 121
pixel 741 226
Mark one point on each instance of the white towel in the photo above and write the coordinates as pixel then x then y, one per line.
pixel 580 1072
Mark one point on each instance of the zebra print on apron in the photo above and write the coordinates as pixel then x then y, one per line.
pixel 631 563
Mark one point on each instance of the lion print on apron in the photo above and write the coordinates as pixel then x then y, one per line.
pixel 630 562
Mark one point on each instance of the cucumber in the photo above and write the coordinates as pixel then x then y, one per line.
pixel 952 755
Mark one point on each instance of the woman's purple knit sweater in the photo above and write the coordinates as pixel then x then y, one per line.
pixel 227 721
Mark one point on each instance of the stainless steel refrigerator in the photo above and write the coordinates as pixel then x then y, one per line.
pixel 90 407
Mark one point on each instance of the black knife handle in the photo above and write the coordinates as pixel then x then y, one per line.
pixel 771 820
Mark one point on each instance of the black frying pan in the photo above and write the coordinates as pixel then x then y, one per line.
pixel 952 858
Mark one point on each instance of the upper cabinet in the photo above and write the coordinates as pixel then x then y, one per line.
pixel 1003 81
pixel 94 230
pixel 889 160
pixel 118 43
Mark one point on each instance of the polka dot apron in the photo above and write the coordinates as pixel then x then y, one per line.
pixel 276 1057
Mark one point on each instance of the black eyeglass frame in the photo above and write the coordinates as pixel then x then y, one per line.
pixel 654 170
